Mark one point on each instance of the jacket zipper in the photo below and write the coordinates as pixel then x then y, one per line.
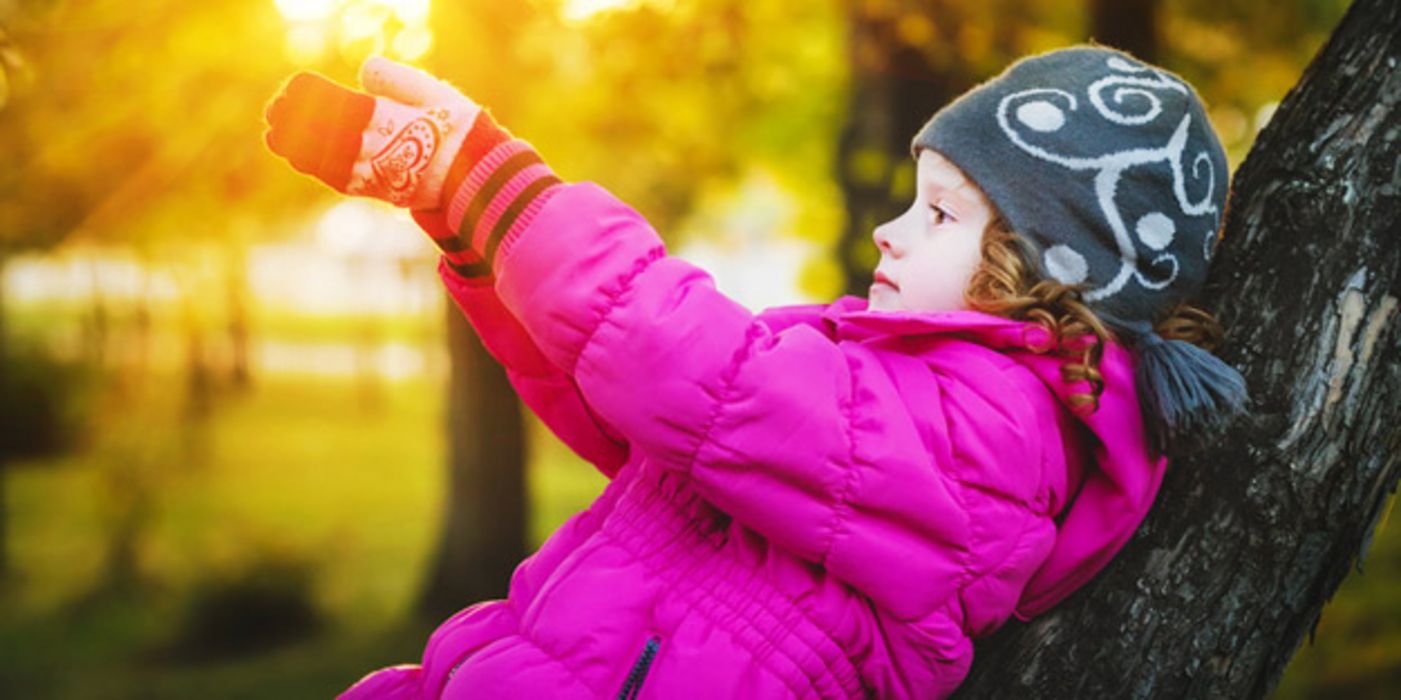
pixel 633 686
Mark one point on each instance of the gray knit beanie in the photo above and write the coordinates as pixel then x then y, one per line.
pixel 1110 170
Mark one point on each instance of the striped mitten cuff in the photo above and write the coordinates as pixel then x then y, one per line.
pixel 494 188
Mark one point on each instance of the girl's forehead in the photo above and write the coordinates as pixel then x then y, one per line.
pixel 937 171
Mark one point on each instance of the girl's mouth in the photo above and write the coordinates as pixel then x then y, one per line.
pixel 881 278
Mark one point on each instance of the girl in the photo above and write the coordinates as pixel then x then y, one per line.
pixel 817 501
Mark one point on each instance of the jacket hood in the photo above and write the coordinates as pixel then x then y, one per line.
pixel 1117 489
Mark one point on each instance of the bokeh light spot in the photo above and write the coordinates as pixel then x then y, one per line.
pixel 412 43
pixel 305 10
pixel 580 10
pixel 306 43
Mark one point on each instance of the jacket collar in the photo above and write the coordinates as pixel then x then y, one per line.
pixel 850 319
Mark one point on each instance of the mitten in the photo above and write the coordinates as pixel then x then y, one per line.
pixel 395 143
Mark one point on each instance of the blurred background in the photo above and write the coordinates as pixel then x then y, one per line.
pixel 247 449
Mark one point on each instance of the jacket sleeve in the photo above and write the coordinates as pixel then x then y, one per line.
pixel 548 391
pixel 807 441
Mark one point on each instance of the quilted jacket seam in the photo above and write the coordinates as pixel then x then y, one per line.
pixel 625 284
pixel 728 377
pixel 578 678
pixel 842 507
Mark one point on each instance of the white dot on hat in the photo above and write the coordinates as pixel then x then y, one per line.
pixel 1066 265
pixel 1155 229
pixel 1041 115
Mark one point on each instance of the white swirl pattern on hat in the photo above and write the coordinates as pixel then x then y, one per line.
pixel 1155 229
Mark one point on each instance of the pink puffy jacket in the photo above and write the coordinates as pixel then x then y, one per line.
pixel 811 502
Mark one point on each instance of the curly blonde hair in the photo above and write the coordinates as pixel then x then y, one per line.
pixel 1006 284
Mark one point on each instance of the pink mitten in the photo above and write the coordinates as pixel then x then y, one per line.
pixel 395 143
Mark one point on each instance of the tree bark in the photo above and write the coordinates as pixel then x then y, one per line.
pixel 1250 537
pixel 483 534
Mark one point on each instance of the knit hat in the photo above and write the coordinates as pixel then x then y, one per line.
pixel 1110 170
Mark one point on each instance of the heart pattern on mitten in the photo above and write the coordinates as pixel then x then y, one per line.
pixel 399 166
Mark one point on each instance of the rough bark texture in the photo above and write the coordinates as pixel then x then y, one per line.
pixel 483 532
pixel 1251 536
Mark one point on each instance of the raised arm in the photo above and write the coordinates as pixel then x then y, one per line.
pixel 407 142
pixel 542 386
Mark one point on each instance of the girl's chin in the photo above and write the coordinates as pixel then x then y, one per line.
pixel 883 297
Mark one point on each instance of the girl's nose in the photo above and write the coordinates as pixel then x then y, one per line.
pixel 882 237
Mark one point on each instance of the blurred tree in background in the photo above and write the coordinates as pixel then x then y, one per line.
pixel 129 129
pixel 132 130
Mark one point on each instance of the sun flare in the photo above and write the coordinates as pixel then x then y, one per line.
pixel 580 10
pixel 305 10
pixel 318 27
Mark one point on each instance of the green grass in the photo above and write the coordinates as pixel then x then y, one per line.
pixel 301 469
pixel 40 319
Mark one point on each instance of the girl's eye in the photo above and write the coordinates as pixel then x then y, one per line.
pixel 937 216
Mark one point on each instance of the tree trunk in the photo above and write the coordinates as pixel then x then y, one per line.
pixel 483 534
pixel 1249 538
pixel 236 281
pixel 1131 25
pixel 4 368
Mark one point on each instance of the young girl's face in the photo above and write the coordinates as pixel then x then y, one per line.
pixel 928 253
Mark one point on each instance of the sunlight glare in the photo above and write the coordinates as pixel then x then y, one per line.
pixel 409 11
pixel 412 43
pixel 305 10
pixel 306 43
pixel 347 228
pixel 580 10
pixel 357 27
pixel 360 21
